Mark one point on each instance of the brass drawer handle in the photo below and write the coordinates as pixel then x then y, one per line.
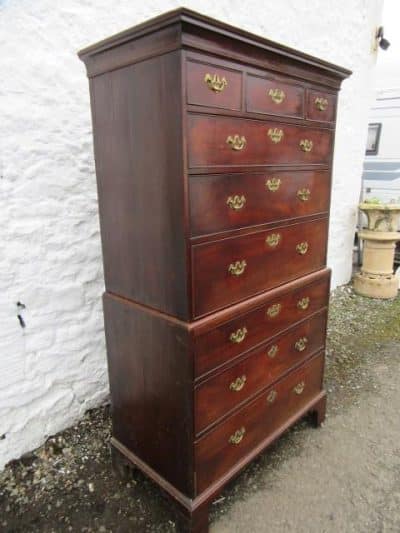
pixel 237 437
pixel 274 310
pixel 236 142
pixel 272 396
pixel 302 248
pixel 273 239
pixel 301 344
pixel 275 134
pixel 299 388
pixel 304 194
pixel 236 202
pixel 273 351
pixel 215 83
pixel 238 336
pixel 303 303
pixel 273 184
pixel 277 95
pixel 321 103
pixel 237 268
pixel 238 384
pixel 306 145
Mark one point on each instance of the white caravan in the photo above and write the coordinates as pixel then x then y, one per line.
pixel 381 175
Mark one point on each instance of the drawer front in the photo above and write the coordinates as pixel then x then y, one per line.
pixel 220 449
pixel 321 106
pixel 232 269
pixel 221 141
pixel 222 344
pixel 229 201
pixel 218 395
pixel 272 96
pixel 213 86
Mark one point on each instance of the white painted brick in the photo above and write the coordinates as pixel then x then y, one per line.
pixel 50 257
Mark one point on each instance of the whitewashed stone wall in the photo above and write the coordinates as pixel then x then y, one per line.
pixel 50 259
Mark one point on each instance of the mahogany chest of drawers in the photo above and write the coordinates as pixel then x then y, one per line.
pixel 213 152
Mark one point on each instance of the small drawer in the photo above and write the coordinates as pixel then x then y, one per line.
pixel 272 96
pixel 232 269
pixel 229 201
pixel 219 450
pixel 222 344
pixel 321 106
pixel 235 142
pixel 220 394
pixel 213 86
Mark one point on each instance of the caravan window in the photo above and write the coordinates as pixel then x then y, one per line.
pixel 374 132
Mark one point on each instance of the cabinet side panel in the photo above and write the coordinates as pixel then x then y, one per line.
pixel 137 116
pixel 150 368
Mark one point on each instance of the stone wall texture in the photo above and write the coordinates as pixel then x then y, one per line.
pixel 54 369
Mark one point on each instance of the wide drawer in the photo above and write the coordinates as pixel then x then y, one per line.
pixel 235 268
pixel 247 330
pixel 229 201
pixel 219 394
pixel 219 450
pixel 274 96
pixel 321 106
pixel 222 141
pixel 213 86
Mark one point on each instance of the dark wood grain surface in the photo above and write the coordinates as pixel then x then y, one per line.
pixel 197 31
pixel 327 114
pixel 218 395
pixel 261 96
pixel 266 266
pixel 260 198
pixel 214 347
pixel 199 92
pixel 151 380
pixel 139 166
pixel 296 103
pixel 215 453
pixel 208 143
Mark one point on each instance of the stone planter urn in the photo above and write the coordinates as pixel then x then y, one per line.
pixel 376 278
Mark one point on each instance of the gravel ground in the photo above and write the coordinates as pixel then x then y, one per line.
pixel 344 477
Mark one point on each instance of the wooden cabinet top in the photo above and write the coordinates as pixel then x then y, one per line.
pixel 183 28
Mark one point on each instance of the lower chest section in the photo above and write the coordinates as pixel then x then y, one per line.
pixel 195 402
